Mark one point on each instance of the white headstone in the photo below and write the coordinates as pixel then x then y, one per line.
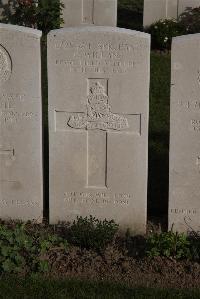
pixel 154 10
pixel 21 182
pixel 98 111
pixel 184 191
pixel 172 9
pixel 90 12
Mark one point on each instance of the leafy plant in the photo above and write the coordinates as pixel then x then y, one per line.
pixel 49 15
pixel 169 244
pixel 162 33
pixel 190 20
pixel 92 233
pixel 130 14
pixel 23 252
pixel 44 15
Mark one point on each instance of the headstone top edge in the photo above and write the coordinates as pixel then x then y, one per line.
pixel 100 29
pixel 183 38
pixel 22 29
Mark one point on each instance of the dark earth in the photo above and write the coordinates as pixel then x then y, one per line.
pixel 116 266
pixel 124 262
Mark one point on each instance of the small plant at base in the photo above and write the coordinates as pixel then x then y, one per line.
pixel 91 233
pixel 169 244
pixel 21 252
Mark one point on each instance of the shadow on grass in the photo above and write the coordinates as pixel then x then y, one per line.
pixel 45 125
pixel 158 182
pixel 38 287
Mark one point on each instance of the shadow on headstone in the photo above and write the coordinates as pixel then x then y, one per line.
pixel 6 10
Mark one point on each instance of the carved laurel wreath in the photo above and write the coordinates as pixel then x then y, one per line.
pixel 5 65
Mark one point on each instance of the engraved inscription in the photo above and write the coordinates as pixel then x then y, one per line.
pixel 98 57
pixel 190 105
pixel 19 203
pixel 198 76
pixel 99 115
pixel 184 211
pixel 9 101
pixel 5 65
pixel 6 151
pixel 105 198
pixel 97 65
pixel 15 116
pixel 9 106
pixel 195 124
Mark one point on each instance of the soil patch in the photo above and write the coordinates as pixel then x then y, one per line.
pixel 117 266
pixel 121 262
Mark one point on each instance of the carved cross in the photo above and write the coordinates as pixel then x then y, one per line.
pixel 99 121
pixel 88 11
pixel 7 154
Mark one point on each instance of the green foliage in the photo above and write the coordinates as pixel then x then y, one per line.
pixel 131 5
pixel 91 233
pixel 130 14
pixel 44 15
pixel 49 15
pixel 162 33
pixel 21 252
pixel 169 244
pixel 190 20
pixel 24 13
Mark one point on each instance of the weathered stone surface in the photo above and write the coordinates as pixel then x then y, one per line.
pixel 98 111
pixel 21 183
pixel 90 12
pixel 184 191
pixel 172 9
pixel 154 10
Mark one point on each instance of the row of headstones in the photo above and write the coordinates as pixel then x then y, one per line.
pixel 98 117
pixel 78 12
pixel 154 10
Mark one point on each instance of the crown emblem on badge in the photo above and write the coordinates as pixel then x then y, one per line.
pixel 99 115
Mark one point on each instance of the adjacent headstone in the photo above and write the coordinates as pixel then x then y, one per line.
pixel 90 12
pixel 172 9
pixel 155 10
pixel 98 111
pixel 21 182
pixel 184 191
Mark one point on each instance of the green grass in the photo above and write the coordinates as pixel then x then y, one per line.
pixel 159 134
pixel 38 287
